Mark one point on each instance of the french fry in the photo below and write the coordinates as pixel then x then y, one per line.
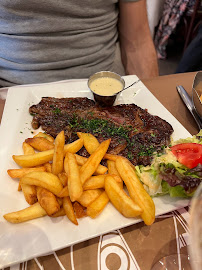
pixel 136 190
pixel 94 182
pixel 73 147
pixel 97 206
pixel 48 167
pixel 112 167
pixel 74 182
pixel 113 171
pixel 90 142
pixel 59 213
pixel 121 201
pixel 29 213
pixel 69 210
pixel 65 183
pixel 33 160
pixel 44 135
pixel 64 192
pixel 27 149
pixel 118 179
pixel 111 157
pixel 48 201
pixel 63 178
pixel 58 156
pixel 93 161
pixel 40 143
pixel 45 156
pixel 60 201
pixel 43 179
pixel 18 173
pixel 89 196
pixel 82 160
pixel 19 187
pixel 29 193
pixel 79 210
pixel 66 169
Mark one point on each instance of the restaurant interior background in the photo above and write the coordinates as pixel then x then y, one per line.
pixel 174 24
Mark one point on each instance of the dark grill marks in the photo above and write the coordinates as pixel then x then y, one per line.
pixel 134 132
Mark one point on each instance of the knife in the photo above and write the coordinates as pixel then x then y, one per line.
pixel 196 93
pixel 188 102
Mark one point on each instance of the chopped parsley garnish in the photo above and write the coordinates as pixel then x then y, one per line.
pixel 163 147
pixel 91 113
pixel 121 134
pixel 130 155
pixel 56 111
pixel 100 126
pixel 147 151
pixel 104 127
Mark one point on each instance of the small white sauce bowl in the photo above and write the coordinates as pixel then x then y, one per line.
pixel 105 100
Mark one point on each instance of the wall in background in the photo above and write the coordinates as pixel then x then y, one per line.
pixel 154 10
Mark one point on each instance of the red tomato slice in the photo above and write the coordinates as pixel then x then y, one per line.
pixel 188 154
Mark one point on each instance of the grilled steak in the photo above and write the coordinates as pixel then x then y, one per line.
pixel 134 132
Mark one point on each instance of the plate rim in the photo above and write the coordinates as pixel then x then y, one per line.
pixel 4 122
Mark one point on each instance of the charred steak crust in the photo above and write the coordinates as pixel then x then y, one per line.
pixel 134 133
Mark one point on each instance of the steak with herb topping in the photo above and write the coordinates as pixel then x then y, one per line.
pixel 134 133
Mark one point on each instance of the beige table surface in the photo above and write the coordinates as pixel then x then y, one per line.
pixel 137 246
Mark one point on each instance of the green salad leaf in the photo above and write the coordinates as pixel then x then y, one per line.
pixel 167 176
pixel 177 191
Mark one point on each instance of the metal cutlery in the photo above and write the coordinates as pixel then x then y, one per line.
pixel 188 102
pixel 197 92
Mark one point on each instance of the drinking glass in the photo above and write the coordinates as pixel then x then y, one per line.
pixel 193 261
pixel 195 224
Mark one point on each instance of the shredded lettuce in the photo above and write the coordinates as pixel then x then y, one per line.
pixel 166 169
pixel 149 176
pixel 194 139
pixel 177 191
pixel 199 134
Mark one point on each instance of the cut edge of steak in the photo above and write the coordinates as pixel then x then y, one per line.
pixel 134 132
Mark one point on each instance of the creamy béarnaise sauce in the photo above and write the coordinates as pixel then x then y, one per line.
pixel 106 86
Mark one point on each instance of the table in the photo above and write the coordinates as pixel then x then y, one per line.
pixel 137 246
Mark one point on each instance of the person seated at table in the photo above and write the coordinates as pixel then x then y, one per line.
pixel 45 41
pixel 192 58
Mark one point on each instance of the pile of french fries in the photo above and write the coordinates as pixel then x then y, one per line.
pixel 57 182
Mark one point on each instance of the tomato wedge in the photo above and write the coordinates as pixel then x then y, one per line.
pixel 188 154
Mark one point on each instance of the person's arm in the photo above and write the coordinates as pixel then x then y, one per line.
pixel 137 49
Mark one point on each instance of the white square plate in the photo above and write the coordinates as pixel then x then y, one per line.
pixel 20 242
